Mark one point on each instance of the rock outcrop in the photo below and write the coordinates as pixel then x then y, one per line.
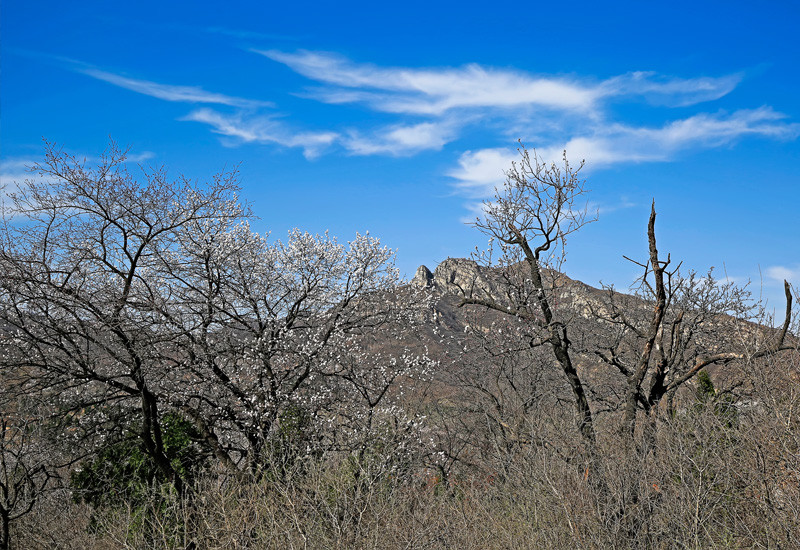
pixel 462 276
pixel 423 278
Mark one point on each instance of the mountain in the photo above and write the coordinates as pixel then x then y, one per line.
pixel 606 328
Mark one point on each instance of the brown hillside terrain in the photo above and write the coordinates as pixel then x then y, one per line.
pixel 588 312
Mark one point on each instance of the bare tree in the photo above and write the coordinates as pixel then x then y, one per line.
pixel 25 470
pixel 129 300
pixel 530 218
pixel 85 261
pixel 284 327
pixel 658 347
pixel 695 322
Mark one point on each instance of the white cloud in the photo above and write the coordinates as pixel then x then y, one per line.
pixel 167 92
pixel 601 150
pixel 16 165
pixel 14 172
pixel 618 143
pixel 567 113
pixel 394 140
pixel 720 129
pixel 400 140
pixel 782 273
pixel 605 208
pixel 262 129
pixel 434 105
pixel 476 210
pixel 140 157
pixel 433 91
pixel 670 91
pixel 480 172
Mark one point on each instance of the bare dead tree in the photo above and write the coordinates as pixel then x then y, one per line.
pixel 689 323
pixel 657 350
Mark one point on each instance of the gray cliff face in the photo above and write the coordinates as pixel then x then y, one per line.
pixel 423 278
pixel 462 276
pixel 452 275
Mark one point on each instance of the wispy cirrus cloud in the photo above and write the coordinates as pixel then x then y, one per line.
pixel 262 129
pixel 13 172
pixel 140 157
pixel 16 170
pixel 620 143
pixel 478 172
pixel 622 203
pixel 433 107
pixel 566 112
pixel 169 92
pixel 249 35
pixel 436 91
pixel 394 140
pixel 713 130
pixel 431 91
pixel 670 91
pixel 401 139
pixel 247 124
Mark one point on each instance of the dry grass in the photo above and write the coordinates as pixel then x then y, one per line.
pixel 710 482
pixel 708 486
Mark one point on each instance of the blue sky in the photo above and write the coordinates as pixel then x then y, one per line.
pixel 398 118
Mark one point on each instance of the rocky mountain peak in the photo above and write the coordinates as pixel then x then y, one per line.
pixel 455 275
pixel 423 278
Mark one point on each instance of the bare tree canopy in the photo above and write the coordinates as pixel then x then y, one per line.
pixel 130 299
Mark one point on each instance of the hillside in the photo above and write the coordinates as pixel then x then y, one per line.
pixel 702 330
